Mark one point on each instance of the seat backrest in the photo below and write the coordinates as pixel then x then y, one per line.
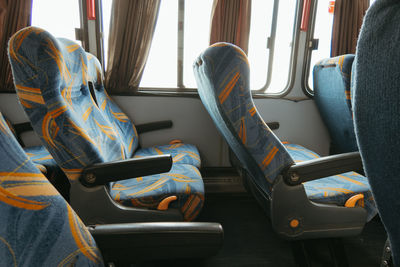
pixel 333 98
pixel 51 77
pixel 377 111
pixel 121 122
pixel 37 226
pixel 222 75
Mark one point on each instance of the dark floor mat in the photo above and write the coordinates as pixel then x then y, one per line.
pixel 250 241
pixel 248 238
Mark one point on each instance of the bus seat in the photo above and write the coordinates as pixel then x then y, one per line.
pixel 376 111
pixel 181 153
pixel 306 196
pixel 44 161
pixel 333 98
pixel 39 228
pixel 50 232
pixel 95 144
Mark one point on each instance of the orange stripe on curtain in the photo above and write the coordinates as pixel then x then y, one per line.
pixel 230 22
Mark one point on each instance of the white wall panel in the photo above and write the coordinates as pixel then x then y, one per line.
pixel 299 122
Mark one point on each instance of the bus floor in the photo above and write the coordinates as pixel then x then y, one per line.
pixel 250 241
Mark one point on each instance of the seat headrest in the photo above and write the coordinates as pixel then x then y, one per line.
pixel 51 77
pixel 222 73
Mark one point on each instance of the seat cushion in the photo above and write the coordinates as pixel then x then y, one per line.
pixel 183 181
pixel 40 155
pixel 336 189
pixel 45 162
pixel 181 153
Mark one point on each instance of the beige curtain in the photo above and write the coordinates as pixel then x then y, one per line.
pixel 230 22
pixel 131 31
pixel 347 21
pixel 14 15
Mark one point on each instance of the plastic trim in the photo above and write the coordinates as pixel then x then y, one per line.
pixel 315 220
pixel 103 173
pixel 134 242
pixel 322 167
pixel 153 126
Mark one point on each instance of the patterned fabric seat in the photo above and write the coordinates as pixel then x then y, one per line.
pixel 38 154
pixel 181 153
pixel 49 231
pixel 332 94
pixel 335 189
pixel 53 79
pixel 45 162
pixel 222 75
pixel 184 180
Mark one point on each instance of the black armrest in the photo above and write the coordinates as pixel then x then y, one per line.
pixel 103 173
pixel 273 125
pixel 153 126
pixel 132 242
pixel 322 167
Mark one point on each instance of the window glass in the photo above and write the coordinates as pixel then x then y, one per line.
pixel 59 17
pixel 196 39
pixel 323 32
pixel 106 6
pixel 260 30
pixel 161 70
pixel 283 46
pixel 161 65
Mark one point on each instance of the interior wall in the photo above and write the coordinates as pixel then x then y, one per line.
pixel 299 122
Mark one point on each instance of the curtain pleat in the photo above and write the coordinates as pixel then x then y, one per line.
pixel 14 15
pixel 347 21
pixel 230 22
pixel 131 32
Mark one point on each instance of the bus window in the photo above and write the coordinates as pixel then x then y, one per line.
pixel 279 70
pixel 322 32
pixel 260 31
pixel 197 30
pixel 60 17
pixel 161 65
pixel 169 64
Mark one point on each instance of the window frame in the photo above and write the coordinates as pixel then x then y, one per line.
pixel 261 93
pixel 308 50
pixel 180 89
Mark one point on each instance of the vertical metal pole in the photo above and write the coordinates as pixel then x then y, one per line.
pixel 181 33
pixel 271 42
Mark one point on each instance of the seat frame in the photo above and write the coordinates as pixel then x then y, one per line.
pixel 95 205
pixel 288 200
